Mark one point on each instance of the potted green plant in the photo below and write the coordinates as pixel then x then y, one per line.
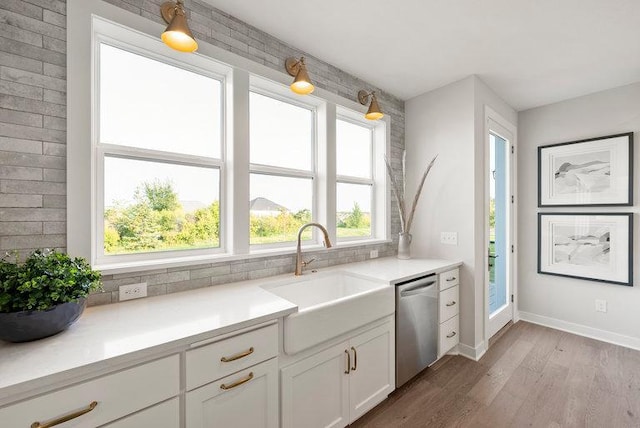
pixel 44 295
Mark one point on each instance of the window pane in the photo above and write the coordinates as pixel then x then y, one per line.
pixel 353 149
pixel 280 133
pixel 149 104
pixel 153 206
pixel 353 204
pixel 278 207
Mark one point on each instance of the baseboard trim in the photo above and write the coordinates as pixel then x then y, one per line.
pixel 582 330
pixel 472 353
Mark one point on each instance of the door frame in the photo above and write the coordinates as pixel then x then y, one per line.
pixel 493 117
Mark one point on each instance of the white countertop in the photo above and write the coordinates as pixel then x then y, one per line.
pixel 106 336
pixel 394 270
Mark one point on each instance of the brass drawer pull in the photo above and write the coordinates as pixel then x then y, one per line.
pixel 237 383
pixel 348 370
pixel 66 418
pixel 449 336
pixel 453 278
pixel 453 302
pixel 355 359
pixel 237 356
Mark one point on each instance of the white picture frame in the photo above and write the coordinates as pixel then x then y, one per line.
pixel 592 172
pixel 591 246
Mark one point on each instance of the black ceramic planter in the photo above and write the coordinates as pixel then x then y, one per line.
pixel 32 325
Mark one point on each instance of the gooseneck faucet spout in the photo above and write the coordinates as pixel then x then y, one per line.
pixel 299 262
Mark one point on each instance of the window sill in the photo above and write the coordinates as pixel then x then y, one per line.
pixel 129 267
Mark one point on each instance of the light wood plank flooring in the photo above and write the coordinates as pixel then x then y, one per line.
pixel 532 376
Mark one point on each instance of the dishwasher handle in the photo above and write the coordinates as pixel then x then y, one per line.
pixel 417 289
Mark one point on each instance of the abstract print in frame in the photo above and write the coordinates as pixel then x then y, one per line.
pixel 594 246
pixel 593 172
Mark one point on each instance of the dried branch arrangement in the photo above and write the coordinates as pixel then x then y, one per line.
pixel 399 192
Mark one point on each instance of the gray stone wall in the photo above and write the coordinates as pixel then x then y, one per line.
pixel 33 135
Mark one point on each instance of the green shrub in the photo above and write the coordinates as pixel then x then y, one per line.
pixel 46 279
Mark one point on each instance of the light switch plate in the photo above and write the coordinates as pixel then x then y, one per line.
pixel 449 238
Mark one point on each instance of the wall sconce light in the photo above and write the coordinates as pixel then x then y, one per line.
pixel 374 112
pixel 177 35
pixel 301 83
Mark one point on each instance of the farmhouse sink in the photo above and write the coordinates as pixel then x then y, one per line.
pixel 330 304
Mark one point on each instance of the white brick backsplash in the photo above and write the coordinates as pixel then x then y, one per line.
pixel 33 135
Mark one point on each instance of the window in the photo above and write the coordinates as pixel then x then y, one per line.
pixel 160 153
pixel 282 136
pixel 178 159
pixel 354 186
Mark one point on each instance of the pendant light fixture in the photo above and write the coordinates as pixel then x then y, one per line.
pixel 301 83
pixel 374 112
pixel 177 36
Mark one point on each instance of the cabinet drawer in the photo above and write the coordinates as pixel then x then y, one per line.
pixel 247 399
pixel 220 359
pixel 449 305
pixel 449 335
pixel 117 395
pixel 449 278
pixel 164 415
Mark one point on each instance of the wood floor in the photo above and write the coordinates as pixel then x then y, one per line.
pixel 531 376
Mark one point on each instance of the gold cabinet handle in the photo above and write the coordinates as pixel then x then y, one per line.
pixel 355 359
pixel 348 370
pixel 453 278
pixel 237 383
pixel 449 336
pixel 451 303
pixel 65 418
pixel 237 356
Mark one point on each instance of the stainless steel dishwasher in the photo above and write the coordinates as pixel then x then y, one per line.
pixel 416 326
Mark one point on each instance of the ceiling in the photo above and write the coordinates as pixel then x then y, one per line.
pixel 530 52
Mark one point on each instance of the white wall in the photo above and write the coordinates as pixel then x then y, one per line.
pixel 564 302
pixel 441 122
pixel 449 121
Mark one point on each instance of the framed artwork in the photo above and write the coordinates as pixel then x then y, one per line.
pixel 593 172
pixel 594 246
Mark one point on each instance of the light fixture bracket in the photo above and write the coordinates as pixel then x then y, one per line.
pixel 168 11
pixel 363 96
pixel 292 65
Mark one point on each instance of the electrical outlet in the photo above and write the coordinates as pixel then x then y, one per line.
pixel 601 305
pixel 449 238
pixel 373 254
pixel 133 291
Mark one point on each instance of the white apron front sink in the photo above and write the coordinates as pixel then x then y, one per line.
pixel 330 304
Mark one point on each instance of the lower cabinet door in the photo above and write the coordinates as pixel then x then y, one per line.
pixel 372 376
pixel 163 415
pixel 247 399
pixel 315 391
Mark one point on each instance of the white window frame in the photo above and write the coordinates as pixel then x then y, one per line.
pixel 380 214
pixel 241 75
pixel 259 86
pixel 105 33
pixel 347 179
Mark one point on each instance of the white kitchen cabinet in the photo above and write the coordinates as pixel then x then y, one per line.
pixel 315 391
pixel 247 399
pixel 372 376
pixel 448 311
pixel 337 385
pixel 163 415
pixel 102 400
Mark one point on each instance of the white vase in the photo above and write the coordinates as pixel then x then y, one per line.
pixel 404 246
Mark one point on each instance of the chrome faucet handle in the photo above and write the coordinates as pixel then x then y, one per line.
pixel 308 262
